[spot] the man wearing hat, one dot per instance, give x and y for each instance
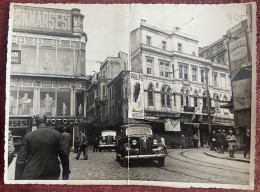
(39, 152)
(83, 146)
(232, 143)
(66, 138)
(220, 137)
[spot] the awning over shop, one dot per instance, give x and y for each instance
(172, 125)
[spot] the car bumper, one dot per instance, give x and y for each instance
(107, 146)
(151, 156)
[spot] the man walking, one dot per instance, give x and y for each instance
(39, 152)
(220, 141)
(232, 143)
(66, 138)
(247, 142)
(83, 146)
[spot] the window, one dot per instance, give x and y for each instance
(182, 100)
(164, 69)
(149, 66)
(168, 100)
(217, 105)
(103, 90)
(202, 76)
(195, 101)
(180, 71)
(163, 96)
(150, 95)
(215, 79)
(179, 47)
(174, 99)
(187, 100)
(163, 45)
(183, 72)
(194, 74)
(148, 40)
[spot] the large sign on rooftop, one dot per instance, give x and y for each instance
(38, 19)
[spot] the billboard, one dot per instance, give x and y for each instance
(242, 94)
(38, 19)
(136, 96)
(238, 47)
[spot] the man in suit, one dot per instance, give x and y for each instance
(39, 152)
(83, 146)
(66, 138)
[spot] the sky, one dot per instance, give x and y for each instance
(108, 26)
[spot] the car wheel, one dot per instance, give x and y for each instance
(161, 162)
(125, 162)
(117, 157)
(99, 150)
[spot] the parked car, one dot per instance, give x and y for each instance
(136, 141)
(107, 140)
(17, 142)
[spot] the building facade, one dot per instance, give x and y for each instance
(176, 81)
(48, 67)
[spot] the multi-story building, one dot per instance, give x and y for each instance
(47, 68)
(175, 81)
(100, 96)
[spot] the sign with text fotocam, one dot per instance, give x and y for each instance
(40, 19)
(136, 96)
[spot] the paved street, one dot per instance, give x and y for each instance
(182, 165)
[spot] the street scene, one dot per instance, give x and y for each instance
(122, 92)
(180, 166)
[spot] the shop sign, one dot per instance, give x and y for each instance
(238, 48)
(66, 121)
(136, 97)
(16, 57)
(41, 19)
(19, 122)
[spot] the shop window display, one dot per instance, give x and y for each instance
(25, 102)
(48, 102)
(63, 102)
(13, 102)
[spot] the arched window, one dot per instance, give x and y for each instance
(163, 96)
(195, 98)
(150, 95)
(168, 100)
(174, 99)
(225, 98)
(187, 98)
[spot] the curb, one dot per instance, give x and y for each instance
(240, 160)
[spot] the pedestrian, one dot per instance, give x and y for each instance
(195, 140)
(66, 139)
(225, 144)
(220, 137)
(183, 141)
(82, 146)
(247, 142)
(11, 148)
(76, 144)
(39, 154)
(232, 143)
(95, 149)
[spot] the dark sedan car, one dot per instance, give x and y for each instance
(17, 142)
(136, 141)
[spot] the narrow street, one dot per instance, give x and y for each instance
(181, 165)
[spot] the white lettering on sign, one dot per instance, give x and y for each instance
(19, 123)
(16, 57)
(42, 19)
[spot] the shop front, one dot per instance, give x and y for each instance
(20, 126)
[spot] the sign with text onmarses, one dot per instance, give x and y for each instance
(42, 19)
(238, 47)
(136, 96)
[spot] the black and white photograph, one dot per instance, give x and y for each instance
(139, 94)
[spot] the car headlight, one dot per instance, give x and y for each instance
(134, 142)
(155, 142)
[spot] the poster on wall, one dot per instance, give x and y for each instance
(136, 96)
(242, 94)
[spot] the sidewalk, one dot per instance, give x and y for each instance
(239, 156)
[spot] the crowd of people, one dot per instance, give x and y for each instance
(42, 151)
(222, 141)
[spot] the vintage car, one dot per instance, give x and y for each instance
(136, 141)
(107, 140)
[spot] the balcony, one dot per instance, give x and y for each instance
(101, 100)
(188, 109)
(205, 110)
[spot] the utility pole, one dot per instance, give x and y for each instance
(208, 108)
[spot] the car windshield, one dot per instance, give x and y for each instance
(108, 133)
(138, 131)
